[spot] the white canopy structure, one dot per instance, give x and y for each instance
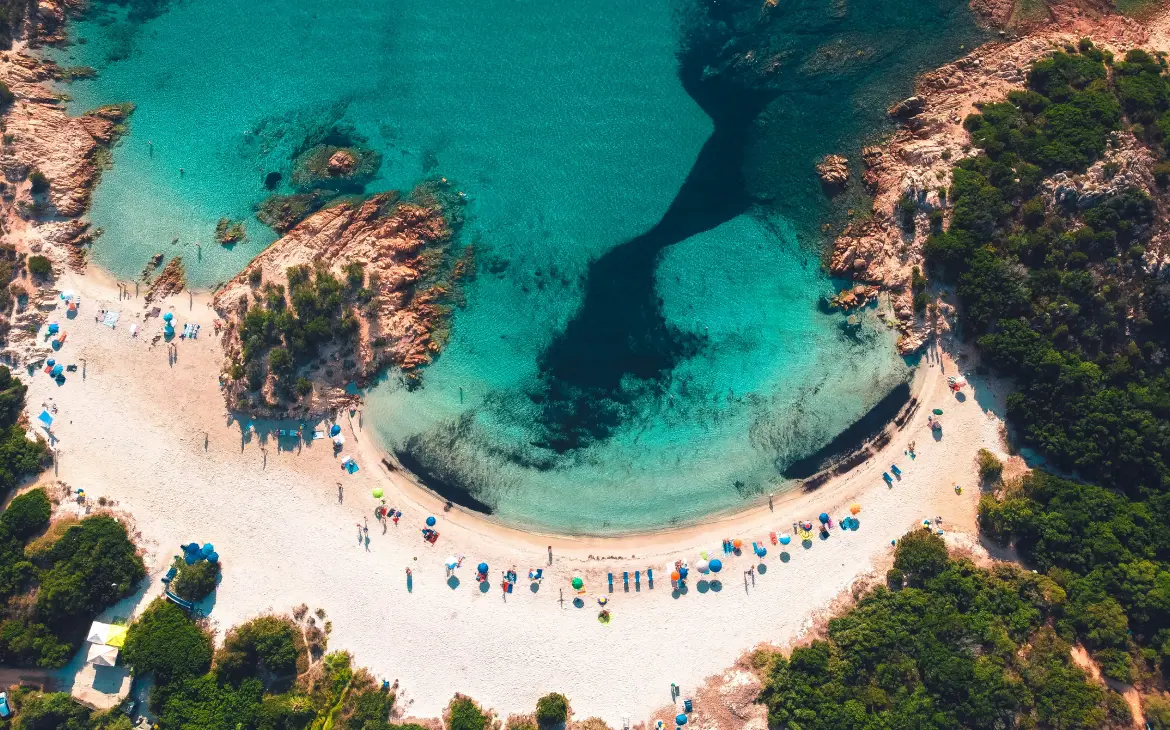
(101, 655)
(109, 634)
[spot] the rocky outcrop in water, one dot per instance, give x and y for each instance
(833, 171)
(334, 167)
(402, 252)
(908, 174)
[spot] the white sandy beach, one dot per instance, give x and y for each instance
(154, 436)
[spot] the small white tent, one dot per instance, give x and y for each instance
(98, 633)
(101, 655)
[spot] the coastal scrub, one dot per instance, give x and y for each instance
(1053, 248)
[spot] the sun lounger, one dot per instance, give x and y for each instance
(626, 580)
(170, 575)
(611, 582)
(886, 476)
(185, 605)
(650, 577)
(688, 706)
(894, 468)
(637, 580)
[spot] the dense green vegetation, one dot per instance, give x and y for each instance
(196, 581)
(1057, 292)
(959, 647)
(40, 267)
(1109, 553)
(552, 709)
(19, 457)
(281, 332)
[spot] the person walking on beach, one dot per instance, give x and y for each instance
(550, 554)
(339, 493)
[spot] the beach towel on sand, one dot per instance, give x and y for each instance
(110, 319)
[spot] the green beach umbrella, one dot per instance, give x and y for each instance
(378, 493)
(937, 411)
(577, 583)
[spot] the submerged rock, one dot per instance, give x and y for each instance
(228, 231)
(339, 168)
(282, 212)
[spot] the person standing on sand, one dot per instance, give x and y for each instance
(339, 493)
(550, 554)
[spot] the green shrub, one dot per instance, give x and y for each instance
(1162, 173)
(895, 579)
(990, 468)
(552, 709)
(164, 640)
(464, 714)
(6, 95)
(1157, 711)
(920, 555)
(267, 644)
(38, 183)
(92, 566)
(40, 267)
(196, 581)
(27, 514)
(55, 711)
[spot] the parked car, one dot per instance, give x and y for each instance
(5, 710)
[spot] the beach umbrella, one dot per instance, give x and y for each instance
(937, 411)
(334, 429)
(451, 561)
(762, 551)
(603, 600)
(716, 565)
(855, 508)
(168, 317)
(737, 544)
(785, 539)
(482, 568)
(213, 557)
(430, 522)
(378, 493)
(682, 572)
(681, 719)
(703, 566)
(807, 524)
(824, 518)
(578, 583)
(208, 548)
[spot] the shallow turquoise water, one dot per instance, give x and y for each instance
(569, 129)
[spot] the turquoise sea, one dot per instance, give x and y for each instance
(643, 343)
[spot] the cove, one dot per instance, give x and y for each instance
(642, 345)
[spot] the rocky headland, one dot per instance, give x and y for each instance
(356, 287)
(50, 163)
(910, 173)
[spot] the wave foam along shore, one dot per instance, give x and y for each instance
(151, 433)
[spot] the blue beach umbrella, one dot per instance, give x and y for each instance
(482, 568)
(208, 549)
(716, 565)
(213, 557)
(430, 522)
(682, 572)
(681, 719)
(824, 518)
(334, 430)
(168, 317)
(785, 539)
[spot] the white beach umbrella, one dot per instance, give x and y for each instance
(451, 562)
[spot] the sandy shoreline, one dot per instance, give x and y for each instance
(151, 433)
